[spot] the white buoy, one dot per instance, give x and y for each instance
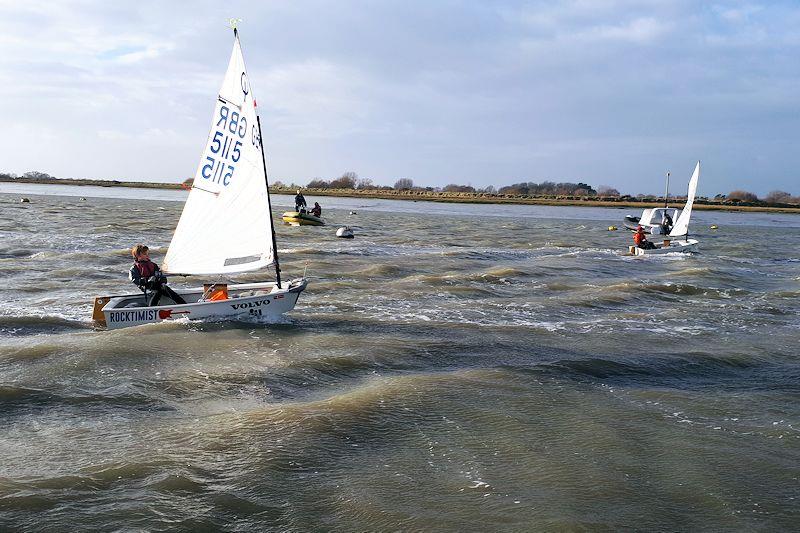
(344, 232)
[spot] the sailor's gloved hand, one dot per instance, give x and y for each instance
(153, 282)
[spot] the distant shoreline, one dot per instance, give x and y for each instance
(438, 196)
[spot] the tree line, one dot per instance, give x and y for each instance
(351, 180)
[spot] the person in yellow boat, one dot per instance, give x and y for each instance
(316, 210)
(300, 202)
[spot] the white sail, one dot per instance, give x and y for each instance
(226, 225)
(681, 226)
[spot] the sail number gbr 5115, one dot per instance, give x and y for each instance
(226, 146)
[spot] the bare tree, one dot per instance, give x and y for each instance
(36, 175)
(346, 181)
(404, 184)
(744, 196)
(549, 188)
(778, 197)
(318, 183)
(605, 190)
(458, 188)
(364, 183)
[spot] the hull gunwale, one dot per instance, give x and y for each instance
(679, 246)
(246, 301)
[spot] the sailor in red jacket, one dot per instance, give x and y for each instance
(147, 276)
(640, 239)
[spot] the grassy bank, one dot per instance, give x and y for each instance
(94, 183)
(449, 197)
(481, 198)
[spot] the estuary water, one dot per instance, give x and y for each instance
(452, 368)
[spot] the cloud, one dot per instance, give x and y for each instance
(738, 14)
(640, 30)
(329, 99)
(440, 92)
(133, 54)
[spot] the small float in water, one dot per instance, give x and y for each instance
(345, 232)
(677, 240)
(301, 218)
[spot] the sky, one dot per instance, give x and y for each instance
(608, 92)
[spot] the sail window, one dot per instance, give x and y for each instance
(232, 261)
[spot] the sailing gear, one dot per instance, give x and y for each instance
(299, 201)
(641, 241)
(666, 223)
(148, 277)
(161, 290)
(141, 271)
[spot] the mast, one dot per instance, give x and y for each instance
(269, 205)
(266, 182)
(666, 192)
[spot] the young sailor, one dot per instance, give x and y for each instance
(316, 210)
(148, 277)
(641, 241)
(666, 223)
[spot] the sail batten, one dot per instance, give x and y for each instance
(226, 225)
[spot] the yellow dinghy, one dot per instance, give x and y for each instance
(302, 219)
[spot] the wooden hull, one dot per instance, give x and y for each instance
(250, 301)
(302, 219)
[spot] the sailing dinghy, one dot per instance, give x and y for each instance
(225, 228)
(678, 238)
(651, 218)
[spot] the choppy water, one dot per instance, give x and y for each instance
(448, 369)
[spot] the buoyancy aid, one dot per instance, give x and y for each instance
(639, 238)
(145, 268)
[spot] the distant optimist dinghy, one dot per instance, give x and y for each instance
(226, 225)
(678, 238)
